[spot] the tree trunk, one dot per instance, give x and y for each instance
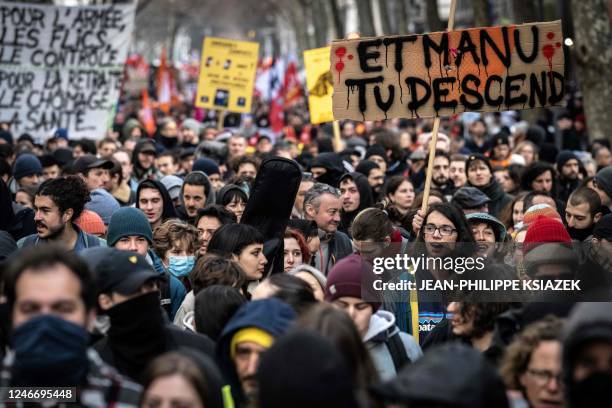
(401, 16)
(319, 21)
(433, 17)
(299, 25)
(383, 11)
(525, 11)
(366, 20)
(337, 20)
(481, 13)
(594, 60)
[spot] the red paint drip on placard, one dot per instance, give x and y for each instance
(549, 51)
(550, 35)
(340, 52)
(350, 56)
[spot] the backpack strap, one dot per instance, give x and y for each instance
(166, 294)
(397, 351)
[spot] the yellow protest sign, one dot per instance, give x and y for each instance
(227, 74)
(319, 83)
(440, 74)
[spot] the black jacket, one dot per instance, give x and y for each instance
(468, 380)
(14, 218)
(499, 198)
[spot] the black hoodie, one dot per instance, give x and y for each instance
(365, 200)
(14, 218)
(333, 164)
(168, 211)
(139, 173)
(468, 380)
(588, 321)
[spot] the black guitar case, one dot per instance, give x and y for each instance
(269, 206)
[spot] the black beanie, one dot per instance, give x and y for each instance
(477, 156)
(376, 150)
(563, 157)
(303, 369)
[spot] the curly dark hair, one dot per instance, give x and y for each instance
(483, 315)
(66, 192)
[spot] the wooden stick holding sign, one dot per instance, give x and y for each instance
(436, 126)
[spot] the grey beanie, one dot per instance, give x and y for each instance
(103, 204)
(603, 179)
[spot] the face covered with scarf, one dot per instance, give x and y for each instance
(49, 316)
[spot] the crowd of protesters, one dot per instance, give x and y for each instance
(129, 272)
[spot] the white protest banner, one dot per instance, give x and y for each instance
(61, 67)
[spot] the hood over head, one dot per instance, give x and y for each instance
(469, 381)
(270, 315)
(168, 210)
(587, 321)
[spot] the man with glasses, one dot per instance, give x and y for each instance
(322, 204)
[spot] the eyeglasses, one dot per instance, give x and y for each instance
(544, 376)
(445, 230)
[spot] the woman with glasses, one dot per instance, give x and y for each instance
(531, 367)
(444, 243)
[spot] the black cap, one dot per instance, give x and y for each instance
(89, 161)
(477, 156)
(470, 197)
(63, 156)
(48, 160)
(500, 139)
(124, 272)
(186, 152)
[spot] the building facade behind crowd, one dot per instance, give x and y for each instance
(131, 271)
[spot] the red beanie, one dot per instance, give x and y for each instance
(545, 230)
(345, 280)
(91, 223)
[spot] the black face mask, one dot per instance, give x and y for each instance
(137, 334)
(591, 391)
(580, 234)
(168, 142)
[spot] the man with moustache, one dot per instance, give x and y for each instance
(568, 167)
(197, 192)
(57, 205)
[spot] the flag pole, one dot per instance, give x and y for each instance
(436, 126)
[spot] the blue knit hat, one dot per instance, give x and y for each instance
(103, 204)
(126, 222)
(26, 165)
(206, 165)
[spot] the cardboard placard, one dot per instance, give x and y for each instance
(62, 67)
(319, 84)
(227, 75)
(444, 73)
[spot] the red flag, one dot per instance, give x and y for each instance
(277, 104)
(291, 85)
(146, 113)
(164, 84)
